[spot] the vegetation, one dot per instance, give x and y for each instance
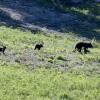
(19, 82)
(64, 3)
(57, 49)
(55, 72)
(43, 84)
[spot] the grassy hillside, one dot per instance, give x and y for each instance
(57, 51)
(58, 72)
(55, 72)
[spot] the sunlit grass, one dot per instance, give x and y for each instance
(61, 46)
(63, 74)
(20, 84)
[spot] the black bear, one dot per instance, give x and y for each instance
(83, 45)
(2, 49)
(38, 46)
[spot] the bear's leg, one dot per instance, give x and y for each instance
(86, 50)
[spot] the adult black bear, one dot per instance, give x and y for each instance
(38, 46)
(2, 49)
(83, 45)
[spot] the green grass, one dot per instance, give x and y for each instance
(45, 84)
(59, 47)
(81, 80)
(14, 38)
(54, 72)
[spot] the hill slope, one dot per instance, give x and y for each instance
(83, 20)
(55, 72)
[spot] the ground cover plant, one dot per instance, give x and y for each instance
(45, 84)
(54, 72)
(57, 50)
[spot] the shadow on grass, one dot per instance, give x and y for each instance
(88, 25)
(25, 14)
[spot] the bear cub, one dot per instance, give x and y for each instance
(2, 49)
(38, 46)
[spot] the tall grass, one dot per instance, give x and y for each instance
(43, 84)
